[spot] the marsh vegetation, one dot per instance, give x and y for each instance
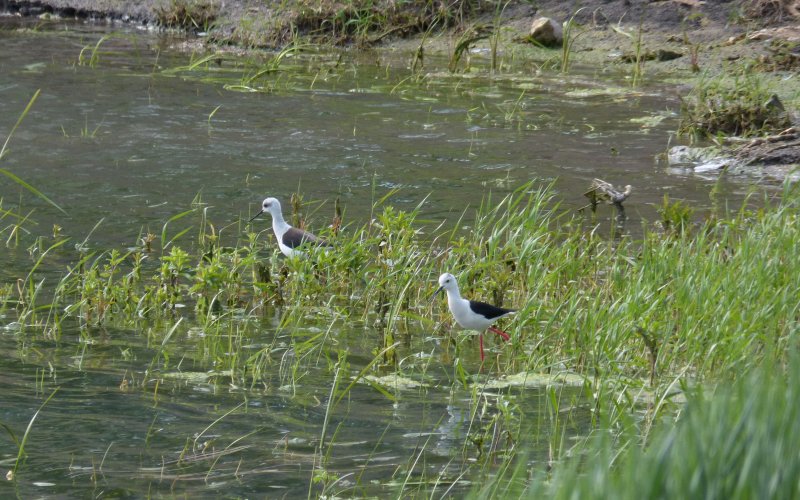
(225, 367)
(616, 333)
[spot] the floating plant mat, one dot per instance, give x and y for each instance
(393, 381)
(533, 380)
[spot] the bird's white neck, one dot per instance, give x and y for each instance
(453, 297)
(278, 224)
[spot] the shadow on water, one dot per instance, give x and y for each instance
(129, 142)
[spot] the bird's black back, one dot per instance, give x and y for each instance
(294, 238)
(487, 310)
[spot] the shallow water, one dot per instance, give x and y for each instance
(111, 429)
(152, 146)
(129, 143)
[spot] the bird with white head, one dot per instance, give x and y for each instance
(471, 314)
(291, 240)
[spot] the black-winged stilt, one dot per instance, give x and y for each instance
(290, 239)
(471, 314)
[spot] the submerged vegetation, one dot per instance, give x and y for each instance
(728, 100)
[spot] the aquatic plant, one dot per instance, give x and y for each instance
(4, 151)
(465, 41)
(638, 58)
(13, 474)
(13, 230)
(93, 52)
(85, 131)
(676, 216)
(569, 41)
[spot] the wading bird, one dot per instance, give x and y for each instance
(471, 314)
(291, 240)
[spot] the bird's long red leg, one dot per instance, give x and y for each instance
(500, 332)
(480, 340)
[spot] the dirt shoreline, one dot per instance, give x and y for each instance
(678, 37)
(716, 29)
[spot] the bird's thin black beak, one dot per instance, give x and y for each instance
(435, 294)
(256, 215)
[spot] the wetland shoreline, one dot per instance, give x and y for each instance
(701, 46)
(709, 34)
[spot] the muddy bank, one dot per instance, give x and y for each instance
(675, 34)
(666, 23)
(137, 11)
(666, 35)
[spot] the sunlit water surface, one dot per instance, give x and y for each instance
(124, 142)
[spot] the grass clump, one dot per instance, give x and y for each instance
(784, 56)
(770, 11)
(190, 15)
(742, 106)
(740, 443)
(676, 216)
(368, 21)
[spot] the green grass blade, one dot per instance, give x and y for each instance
(21, 451)
(10, 433)
(4, 150)
(32, 189)
(19, 120)
(164, 229)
